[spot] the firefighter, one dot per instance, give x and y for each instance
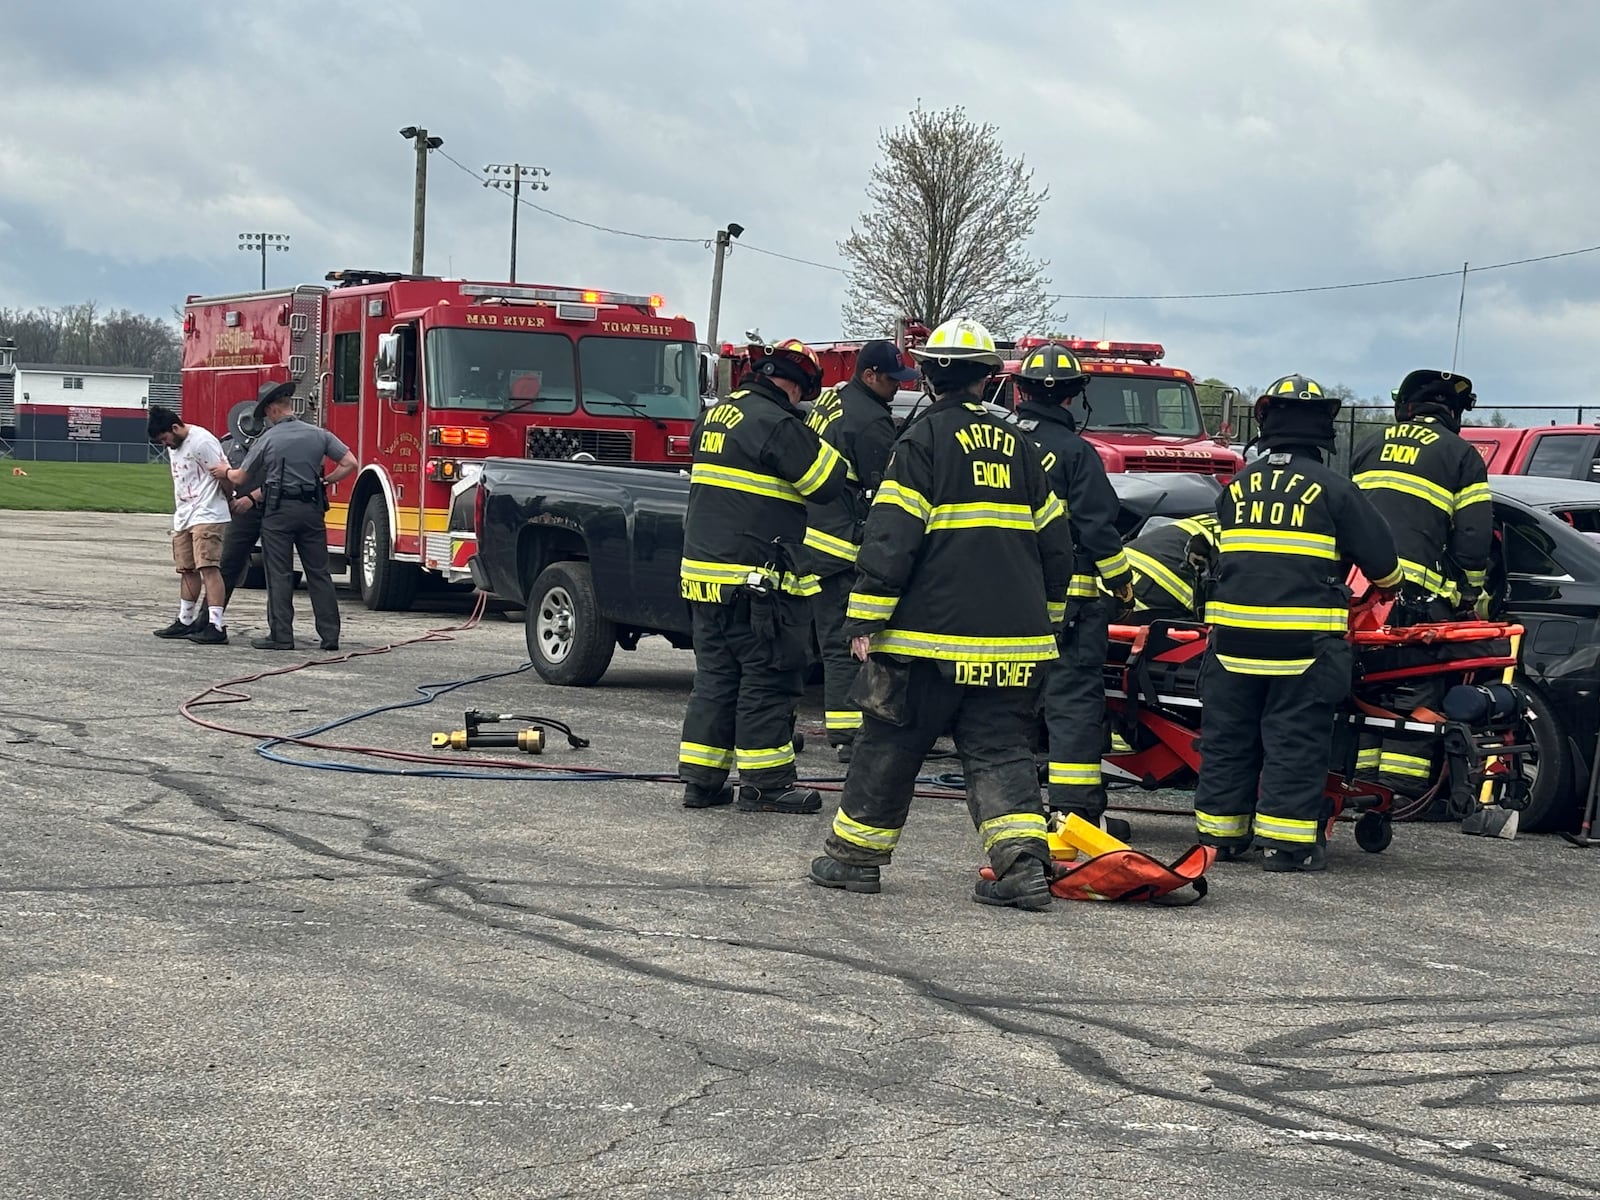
(756, 464)
(1432, 488)
(1167, 564)
(960, 584)
(1278, 663)
(1050, 381)
(855, 421)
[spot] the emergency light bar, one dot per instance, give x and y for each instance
(1084, 348)
(558, 295)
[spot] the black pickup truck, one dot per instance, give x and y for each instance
(591, 552)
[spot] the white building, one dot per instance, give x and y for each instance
(90, 387)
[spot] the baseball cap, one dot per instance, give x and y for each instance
(884, 357)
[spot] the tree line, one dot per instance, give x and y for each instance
(83, 335)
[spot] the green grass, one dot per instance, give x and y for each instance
(86, 487)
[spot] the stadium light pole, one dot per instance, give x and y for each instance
(261, 243)
(513, 177)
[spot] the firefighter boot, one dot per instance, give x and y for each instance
(698, 796)
(1026, 885)
(829, 872)
(1235, 850)
(1279, 857)
(791, 799)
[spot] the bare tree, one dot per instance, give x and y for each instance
(130, 339)
(39, 333)
(945, 231)
(77, 334)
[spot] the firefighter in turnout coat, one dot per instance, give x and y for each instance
(756, 464)
(1278, 662)
(960, 585)
(1051, 380)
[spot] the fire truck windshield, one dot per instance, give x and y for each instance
(500, 369)
(1137, 404)
(642, 376)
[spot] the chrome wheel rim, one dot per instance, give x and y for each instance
(369, 555)
(554, 627)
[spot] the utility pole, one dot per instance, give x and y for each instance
(424, 143)
(508, 177)
(260, 243)
(724, 241)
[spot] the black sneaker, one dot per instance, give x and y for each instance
(330, 643)
(1117, 828)
(209, 635)
(791, 799)
(697, 796)
(179, 629)
(1026, 885)
(267, 643)
(831, 873)
(1283, 859)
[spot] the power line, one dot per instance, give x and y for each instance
(791, 258)
(1326, 287)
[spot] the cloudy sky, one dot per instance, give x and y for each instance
(1236, 145)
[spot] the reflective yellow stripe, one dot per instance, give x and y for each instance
(1075, 774)
(1110, 568)
(1368, 759)
(1052, 509)
(869, 837)
(1240, 665)
(1205, 526)
(694, 570)
(1162, 576)
(1476, 578)
(981, 516)
(1427, 577)
(1011, 826)
(1407, 485)
(821, 467)
(1263, 616)
(698, 755)
(828, 544)
(960, 648)
(1414, 766)
(1219, 826)
(1058, 610)
(842, 719)
(1083, 587)
(863, 606)
(902, 497)
(764, 760)
(734, 479)
(1279, 541)
(1473, 493)
(1286, 829)
(1389, 580)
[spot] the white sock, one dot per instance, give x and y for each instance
(217, 618)
(187, 611)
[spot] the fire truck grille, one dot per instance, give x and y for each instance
(1143, 463)
(604, 445)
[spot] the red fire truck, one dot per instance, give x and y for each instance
(1142, 416)
(425, 377)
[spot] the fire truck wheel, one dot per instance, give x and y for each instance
(385, 585)
(569, 641)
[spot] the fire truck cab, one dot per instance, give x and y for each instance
(424, 378)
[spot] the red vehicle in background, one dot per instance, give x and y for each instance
(424, 378)
(1142, 416)
(1557, 451)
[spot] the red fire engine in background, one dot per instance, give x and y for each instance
(424, 377)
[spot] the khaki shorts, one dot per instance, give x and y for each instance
(198, 546)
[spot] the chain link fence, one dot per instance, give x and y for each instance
(40, 450)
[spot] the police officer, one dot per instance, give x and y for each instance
(1278, 662)
(1051, 380)
(1432, 488)
(960, 585)
(286, 464)
(1166, 570)
(756, 465)
(244, 531)
(855, 421)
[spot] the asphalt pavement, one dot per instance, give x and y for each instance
(225, 976)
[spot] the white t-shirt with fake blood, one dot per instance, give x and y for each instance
(197, 498)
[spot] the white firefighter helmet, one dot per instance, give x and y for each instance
(960, 340)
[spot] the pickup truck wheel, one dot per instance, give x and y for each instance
(1552, 794)
(384, 585)
(570, 643)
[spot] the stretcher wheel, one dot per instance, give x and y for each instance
(1374, 832)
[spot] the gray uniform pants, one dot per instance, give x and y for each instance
(298, 525)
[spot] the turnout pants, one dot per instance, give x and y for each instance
(1075, 712)
(1408, 766)
(297, 526)
(838, 667)
(244, 531)
(991, 728)
(1265, 743)
(749, 674)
